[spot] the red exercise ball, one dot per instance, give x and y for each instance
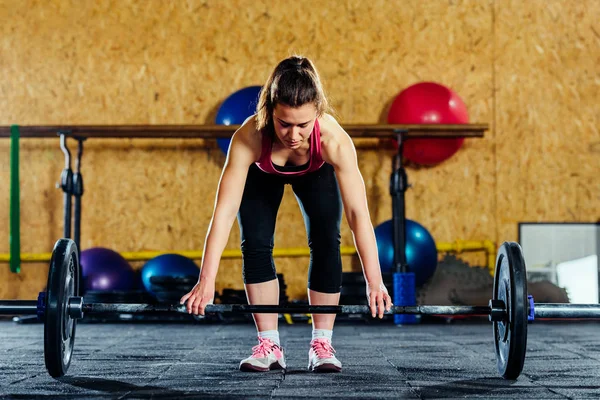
(429, 103)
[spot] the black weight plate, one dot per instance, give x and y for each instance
(59, 327)
(510, 286)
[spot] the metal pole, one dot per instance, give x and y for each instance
(243, 308)
(21, 307)
(542, 310)
(566, 310)
(18, 307)
(66, 184)
(398, 187)
(78, 192)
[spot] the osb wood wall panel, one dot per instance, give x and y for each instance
(547, 72)
(151, 62)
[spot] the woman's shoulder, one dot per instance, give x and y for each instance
(327, 124)
(334, 139)
(248, 132)
(331, 130)
(249, 135)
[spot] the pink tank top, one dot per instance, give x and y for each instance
(266, 164)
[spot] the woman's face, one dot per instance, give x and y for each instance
(294, 125)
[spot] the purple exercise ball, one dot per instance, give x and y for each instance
(106, 270)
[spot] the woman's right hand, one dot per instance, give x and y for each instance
(202, 293)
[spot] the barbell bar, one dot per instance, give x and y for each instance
(77, 308)
(509, 310)
(542, 310)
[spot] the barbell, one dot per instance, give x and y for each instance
(509, 310)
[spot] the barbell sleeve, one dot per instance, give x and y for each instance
(18, 307)
(566, 310)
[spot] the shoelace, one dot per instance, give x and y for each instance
(263, 348)
(322, 348)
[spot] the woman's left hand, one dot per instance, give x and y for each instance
(379, 299)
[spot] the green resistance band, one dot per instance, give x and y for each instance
(14, 237)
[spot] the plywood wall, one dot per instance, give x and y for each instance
(547, 69)
(530, 70)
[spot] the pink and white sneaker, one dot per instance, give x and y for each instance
(321, 357)
(265, 356)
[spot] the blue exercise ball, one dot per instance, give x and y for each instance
(236, 109)
(168, 265)
(105, 270)
(421, 253)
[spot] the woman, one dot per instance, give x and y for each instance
(291, 140)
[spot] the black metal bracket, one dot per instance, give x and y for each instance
(398, 187)
(71, 183)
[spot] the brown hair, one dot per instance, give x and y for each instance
(294, 82)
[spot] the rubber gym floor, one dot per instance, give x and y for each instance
(182, 361)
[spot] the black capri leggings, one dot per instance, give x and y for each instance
(319, 197)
